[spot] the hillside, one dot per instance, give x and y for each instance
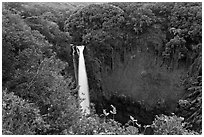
(143, 62)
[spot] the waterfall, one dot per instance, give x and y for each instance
(83, 83)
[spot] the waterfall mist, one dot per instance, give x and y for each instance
(145, 81)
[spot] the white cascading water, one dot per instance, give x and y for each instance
(83, 83)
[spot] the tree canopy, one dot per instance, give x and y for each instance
(38, 86)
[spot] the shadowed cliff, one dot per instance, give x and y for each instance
(144, 79)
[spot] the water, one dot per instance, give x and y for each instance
(83, 83)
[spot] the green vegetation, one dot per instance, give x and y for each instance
(39, 92)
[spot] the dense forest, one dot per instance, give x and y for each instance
(143, 61)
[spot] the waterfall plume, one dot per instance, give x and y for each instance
(83, 83)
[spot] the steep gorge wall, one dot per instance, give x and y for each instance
(128, 54)
(143, 76)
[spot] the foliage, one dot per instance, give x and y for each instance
(36, 38)
(59, 106)
(116, 27)
(19, 116)
(106, 25)
(52, 94)
(184, 37)
(22, 47)
(190, 107)
(94, 125)
(170, 125)
(35, 73)
(48, 20)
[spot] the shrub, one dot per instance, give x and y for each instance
(18, 116)
(170, 125)
(59, 106)
(94, 125)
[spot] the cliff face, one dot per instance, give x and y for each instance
(142, 51)
(142, 75)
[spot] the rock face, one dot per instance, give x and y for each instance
(143, 76)
(143, 79)
(137, 81)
